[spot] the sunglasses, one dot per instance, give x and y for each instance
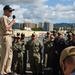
(59, 34)
(10, 10)
(33, 36)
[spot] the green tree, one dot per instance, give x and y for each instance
(37, 29)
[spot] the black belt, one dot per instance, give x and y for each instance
(4, 34)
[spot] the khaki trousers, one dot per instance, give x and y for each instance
(6, 53)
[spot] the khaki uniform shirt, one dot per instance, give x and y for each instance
(4, 23)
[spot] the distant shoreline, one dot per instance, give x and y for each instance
(28, 33)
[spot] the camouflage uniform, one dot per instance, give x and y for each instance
(14, 39)
(51, 53)
(13, 43)
(34, 47)
(24, 41)
(54, 33)
(18, 57)
(69, 39)
(47, 45)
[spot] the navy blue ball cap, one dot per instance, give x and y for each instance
(7, 7)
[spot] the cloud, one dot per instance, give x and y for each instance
(40, 12)
(59, 12)
(22, 1)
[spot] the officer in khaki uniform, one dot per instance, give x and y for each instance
(34, 47)
(6, 40)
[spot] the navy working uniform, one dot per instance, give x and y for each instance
(34, 47)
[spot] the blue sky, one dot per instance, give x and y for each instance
(63, 2)
(55, 11)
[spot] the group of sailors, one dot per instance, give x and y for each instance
(53, 46)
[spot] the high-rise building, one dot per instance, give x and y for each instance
(21, 25)
(36, 25)
(27, 24)
(31, 25)
(40, 25)
(48, 26)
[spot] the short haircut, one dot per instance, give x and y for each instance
(70, 59)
